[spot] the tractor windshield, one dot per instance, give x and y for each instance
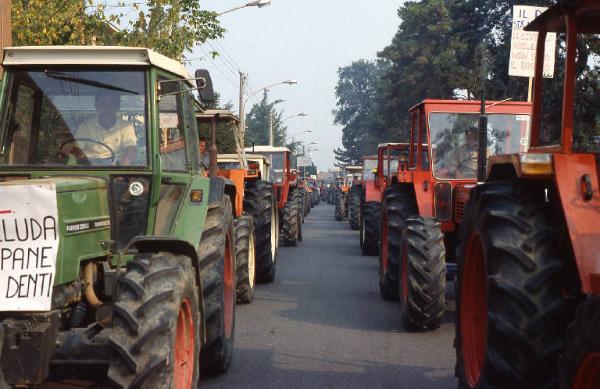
(454, 141)
(74, 118)
(368, 166)
(276, 165)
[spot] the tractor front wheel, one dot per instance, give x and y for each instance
(510, 313)
(580, 365)
(422, 274)
(156, 334)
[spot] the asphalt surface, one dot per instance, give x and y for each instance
(322, 323)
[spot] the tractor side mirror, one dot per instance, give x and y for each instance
(205, 86)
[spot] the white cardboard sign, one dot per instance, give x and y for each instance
(29, 239)
(523, 44)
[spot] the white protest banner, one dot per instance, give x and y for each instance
(523, 44)
(28, 246)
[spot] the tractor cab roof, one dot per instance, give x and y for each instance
(92, 55)
(390, 144)
(586, 12)
(221, 115)
(369, 157)
(468, 105)
(353, 168)
(267, 149)
(257, 157)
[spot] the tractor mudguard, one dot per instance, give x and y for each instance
(220, 186)
(155, 244)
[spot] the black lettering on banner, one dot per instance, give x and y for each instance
(49, 225)
(22, 239)
(35, 235)
(43, 257)
(6, 238)
(5, 254)
(18, 256)
(11, 281)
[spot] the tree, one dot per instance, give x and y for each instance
(356, 93)
(422, 62)
(170, 27)
(257, 122)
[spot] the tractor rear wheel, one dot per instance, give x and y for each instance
(259, 202)
(369, 228)
(396, 206)
(216, 257)
(291, 220)
(580, 364)
(422, 274)
(511, 317)
(156, 334)
(354, 208)
(245, 259)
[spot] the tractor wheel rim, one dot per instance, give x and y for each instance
(274, 233)
(404, 273)
(228, 287)
(473, 310)
(384, 245)
(184, 347)
(588, 373)
(251, 261)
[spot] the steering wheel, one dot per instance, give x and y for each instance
(110, 159)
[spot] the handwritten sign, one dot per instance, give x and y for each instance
(523, 44)
(28, 246)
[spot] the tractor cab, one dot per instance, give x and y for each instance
(443, 150)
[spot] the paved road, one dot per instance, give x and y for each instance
(322, 324)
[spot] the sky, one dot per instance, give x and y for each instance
(305, 40)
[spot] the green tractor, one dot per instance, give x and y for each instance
(117, 260)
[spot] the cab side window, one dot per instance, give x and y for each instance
(171, 126)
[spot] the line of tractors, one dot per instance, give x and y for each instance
(479, 195)
(126, 244)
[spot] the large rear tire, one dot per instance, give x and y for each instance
(511, 317)
(291, 220)
(580, 364)
(422, 274)
(341, 212)
(354, 208)
(369, 228)
(259, 202)
(245, 259)
(396, 206)
(156, 334)
(217, 272)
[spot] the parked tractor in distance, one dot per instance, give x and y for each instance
(425, 198)
(528, 290)
(118, 251)
(287, 195)
(351, 174)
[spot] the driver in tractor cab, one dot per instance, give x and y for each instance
(459, 162)
(105, 135)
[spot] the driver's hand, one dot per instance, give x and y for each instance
(74, 150)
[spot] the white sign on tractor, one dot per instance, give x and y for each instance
(523, 44)
(28, 246)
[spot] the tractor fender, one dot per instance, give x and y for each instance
(220, 187)
(155, 244)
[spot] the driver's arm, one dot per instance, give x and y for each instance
(128, 146)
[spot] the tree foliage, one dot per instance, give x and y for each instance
(356, 94)
(448, 49)
(257, 123)
(170, 27)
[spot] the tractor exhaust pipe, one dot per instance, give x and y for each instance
(482, 145)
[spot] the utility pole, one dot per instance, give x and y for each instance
(242, 114)
(271, 130)
(5, 30)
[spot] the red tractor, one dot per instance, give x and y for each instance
(370, 206)
(287, 193)
(528, 290)
(374, 179)
(423, 199)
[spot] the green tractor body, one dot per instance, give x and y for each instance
(80, 208)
